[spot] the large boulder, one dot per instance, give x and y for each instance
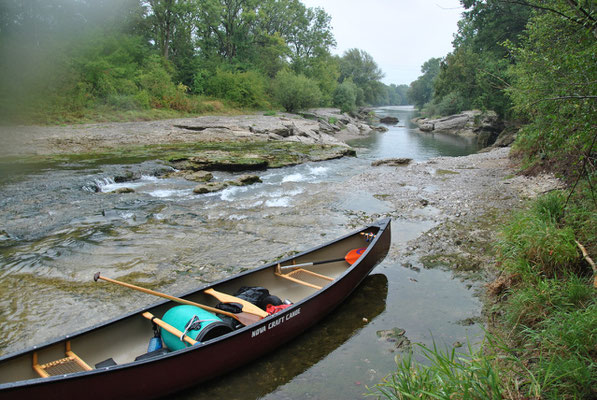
(389, 120)
(484, 126)
(506, 137)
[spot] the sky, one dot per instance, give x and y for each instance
(399, 34)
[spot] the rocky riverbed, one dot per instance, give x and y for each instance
(465, 198)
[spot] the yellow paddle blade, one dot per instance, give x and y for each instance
(247, 307)
(354, 255)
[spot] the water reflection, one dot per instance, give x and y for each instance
(291, 360)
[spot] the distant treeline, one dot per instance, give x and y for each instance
(531, 61)
(63, 58)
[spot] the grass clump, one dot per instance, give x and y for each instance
(448, 374)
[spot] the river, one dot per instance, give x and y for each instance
(60, 225)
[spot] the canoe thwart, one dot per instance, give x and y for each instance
(304, 277)
(67, 365)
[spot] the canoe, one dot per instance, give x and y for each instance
(112, 359)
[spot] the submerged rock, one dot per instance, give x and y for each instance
(248, 162)
(245, 180)
(199, 176)
(395, 335)
(389, 120)
(210, 187)
(126, 177)
(124, 190)
(392, 162)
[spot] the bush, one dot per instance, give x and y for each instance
(295, 92)
(452, 103)
(156, 81)
(345, 96)
(247, 89)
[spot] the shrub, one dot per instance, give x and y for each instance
(156, 81)
(345, 96)
(247, 89)
(295, 92)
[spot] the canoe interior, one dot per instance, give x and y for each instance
(126, 338)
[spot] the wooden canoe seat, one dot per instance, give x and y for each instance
(305, 277)
(67, 365)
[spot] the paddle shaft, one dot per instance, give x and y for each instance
(351, 257)
(313, 263)
(168, 328)
(243, 318)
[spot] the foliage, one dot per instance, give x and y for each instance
(452, 103)
(448, 375)
(551, 305)
(247, 89)
(474, 75)
(295, 92)
(554, 89)
(534, 243)
(67, 59)
(397, 95)
(421, 90)
(362, 69)
(345, 96)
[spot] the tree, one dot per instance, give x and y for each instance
(421, 90)
(345, 96)
(474, 75)
(361, 68)
(554, 86)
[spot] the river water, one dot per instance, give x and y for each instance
(60, 225)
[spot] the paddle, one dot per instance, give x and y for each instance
(246, 306)
(169, 328)
(242, 317)
(351, 257)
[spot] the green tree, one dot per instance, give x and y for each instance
(554, 85)
(421, 90)
(345, 96)
(361, 68)
(474, 75)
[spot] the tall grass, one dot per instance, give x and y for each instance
(447, 374)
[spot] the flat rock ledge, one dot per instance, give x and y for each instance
(327, 126)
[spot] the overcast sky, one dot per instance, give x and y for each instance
(400, 34)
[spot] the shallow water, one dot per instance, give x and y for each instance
(61, 225)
